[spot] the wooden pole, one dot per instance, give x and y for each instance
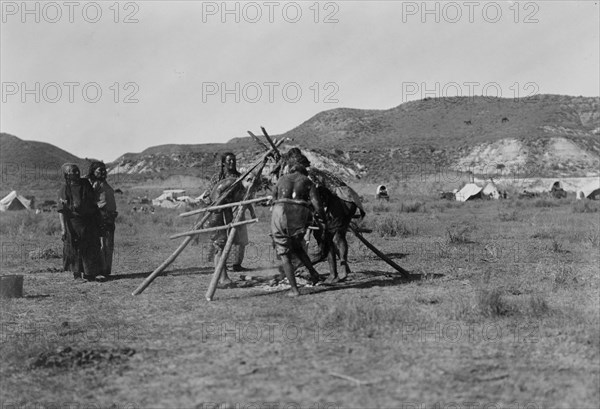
(258, 141)
(225, 206)
(403, 272)
(273, 146)
(187, 240)
(217, 228)
(212, 287)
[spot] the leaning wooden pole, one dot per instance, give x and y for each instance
(211, 229)
(212, 287)
(187, 240)
(268, 138)
(225, 206)
(403, 272)
(258, 141)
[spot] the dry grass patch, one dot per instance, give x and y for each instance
(586, 206)
(460, 233)
(27, 222)
(367, 319)
(394, 226)
(413, 207)
(513, 216)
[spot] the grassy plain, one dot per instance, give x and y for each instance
(506, 315)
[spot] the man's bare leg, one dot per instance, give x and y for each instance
(342, 248)
(315, 277)
(333, 274)
(324, 246)
(288, 269)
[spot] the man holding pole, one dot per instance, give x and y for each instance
(228, 169)
(221, 217)
(294, 194)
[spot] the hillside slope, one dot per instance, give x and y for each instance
(16, 150)
(549, 135)
(543, 136)
(32, 163)
(555, 135)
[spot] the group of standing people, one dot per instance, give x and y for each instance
(87, 212)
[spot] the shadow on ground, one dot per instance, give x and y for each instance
(358, 280)
(171, 273)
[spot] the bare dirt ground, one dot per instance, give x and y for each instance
(506, 314)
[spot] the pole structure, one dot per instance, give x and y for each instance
(187, 240)
(212, 287)
(210, 229)
(225, 206)
(403, 272)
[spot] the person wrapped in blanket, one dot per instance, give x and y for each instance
(294, 199)
(80, 222)
(105, 199)
(221, 217)
(228, 169)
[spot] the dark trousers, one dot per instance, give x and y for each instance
(107, 245)
(81, 250)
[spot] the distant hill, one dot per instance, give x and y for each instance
(194, 160)
(546, 135)
(552, 134)
(19, 151)
(32, 163)
(549, 135)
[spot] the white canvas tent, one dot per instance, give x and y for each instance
(169, 195)
(590, 190)
(490, 190)
(14, 201)
(187, 200)
(168, 204)
(468, 192)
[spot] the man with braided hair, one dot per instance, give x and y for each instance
(221, 217)
(228, 169)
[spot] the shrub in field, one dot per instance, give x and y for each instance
(586, 206)
(461, 308)
(593, 237)
(128, 223)
(546, 203)
(537, 306)
(165, 218)
(564, 275)
(493, 303)
(513, 216)
(365, 318)
(27, 222)
(543, 234)
(380, 208)
(392, 226)
(413, 207)
(51, 226)
(441, 206)
(557, 247)
(459, 233)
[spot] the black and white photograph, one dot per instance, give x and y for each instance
(302, 204)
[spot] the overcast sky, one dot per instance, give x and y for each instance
(115, 79)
